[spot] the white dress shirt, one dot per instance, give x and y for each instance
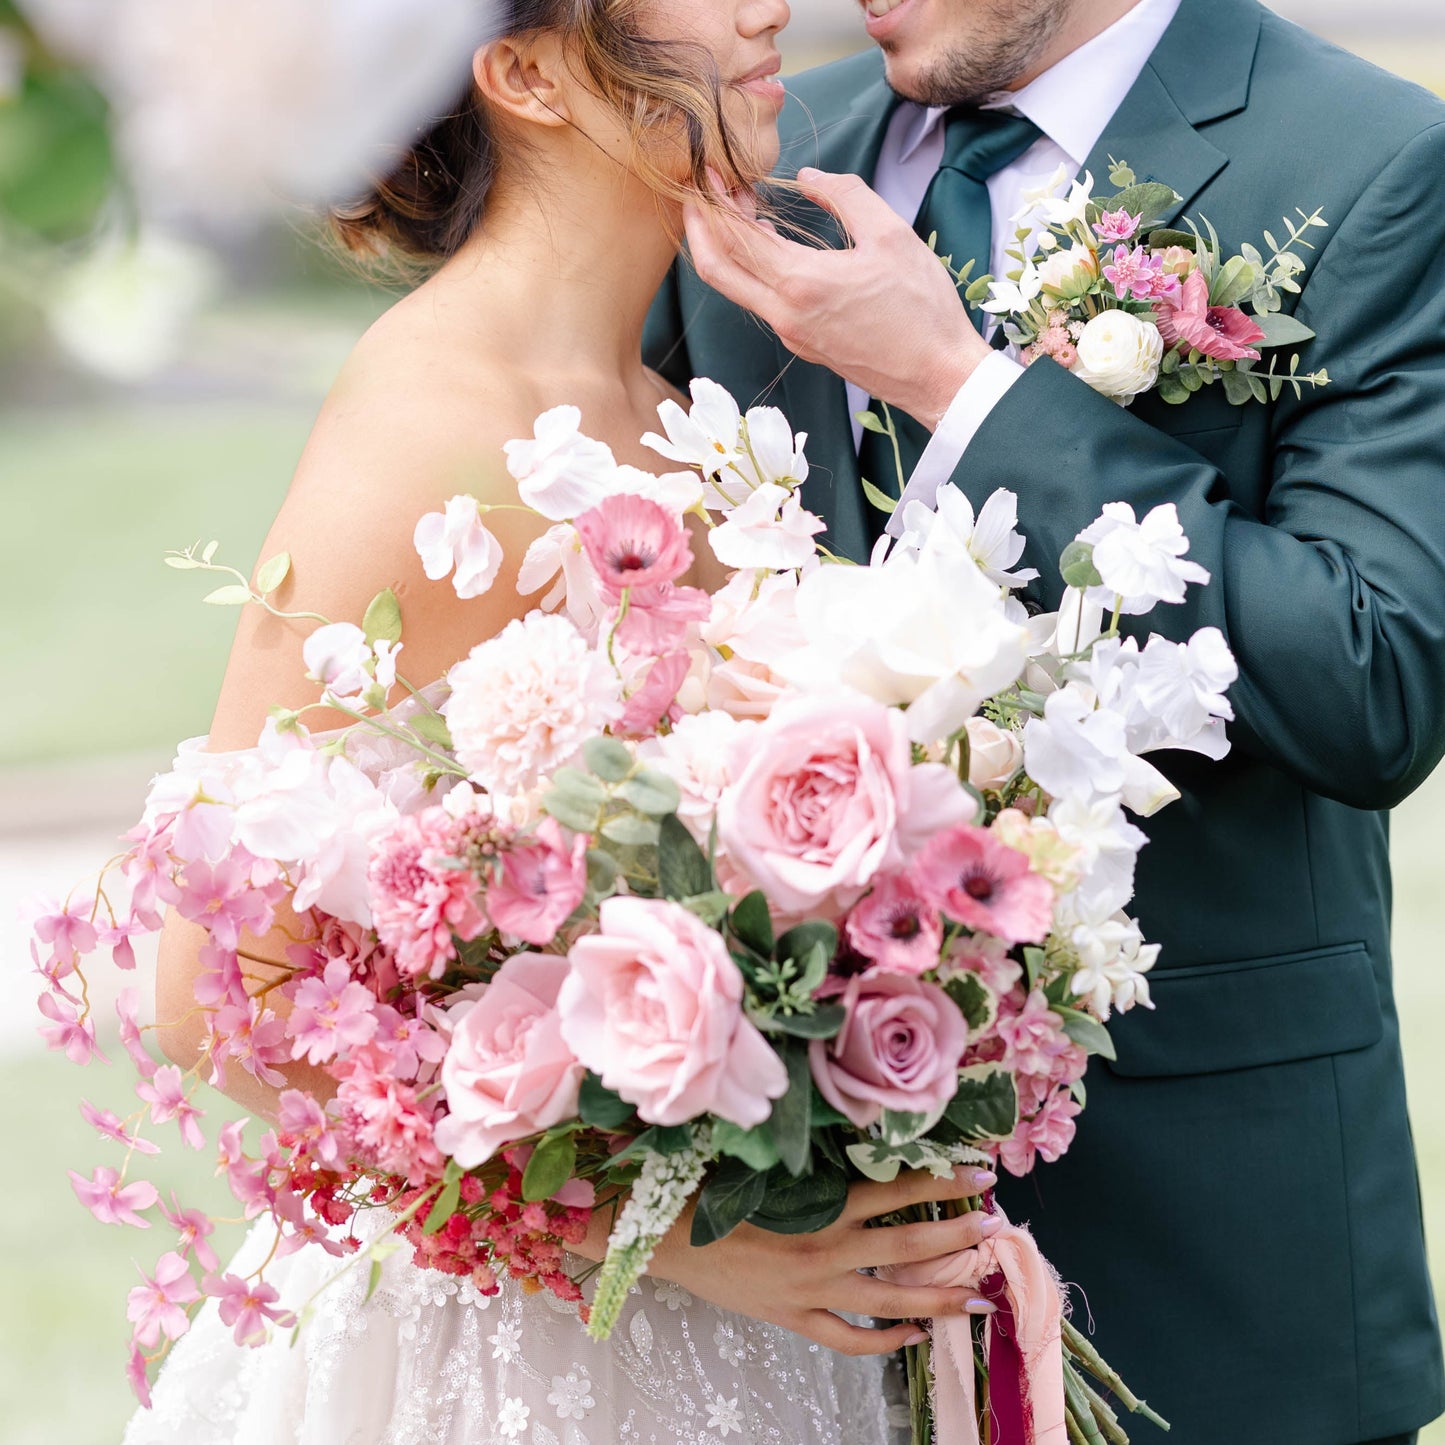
(1071, 103)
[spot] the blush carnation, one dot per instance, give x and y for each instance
(508, 1073)
(654, 1005)
(980, 882)
(419, 897)
(900, 1046)
(523, 702)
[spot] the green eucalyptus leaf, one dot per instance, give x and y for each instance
(580, 817)
(1076, 566)
(652, 793)
(1150, 200)
(580, 786)
(870, 421)
(1233, 282)
(382, 621)
(630, 830)
(271, 574)
(549, 1168)
(879, 498)
(712, 907)
(1172, 390)
(978, 290)
(733, 1192)
(602, 871)
(1238, 389)
(682, 867)
(1282, 330)
(609, 758)
(1086, 1031)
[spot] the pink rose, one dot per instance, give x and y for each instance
(653, 1005)
(829, 798)
(507, 1072)
(541, 882)
(899, 1048)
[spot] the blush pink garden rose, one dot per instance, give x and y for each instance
(829, 798)
(899, 1049)
(654, 1006)
(508, 1073)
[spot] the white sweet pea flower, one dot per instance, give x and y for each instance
(386, 655)
(1182, 685)
(339, 657)
(1141, 562)
(458, 539)
(990, 539)
(927, 632)
(558, 553)
(679, 492)
(768, 531)
(1007, 298)
(1108, 847)
(770, 450)
(561, 473)
(707, 437)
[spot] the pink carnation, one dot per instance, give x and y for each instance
(1034, 1036)
(899, 1048)
(541, 882)
(1048, 1135)
(985, 884)
(896, 926)
(420, 898)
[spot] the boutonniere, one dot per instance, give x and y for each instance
(1129, 307)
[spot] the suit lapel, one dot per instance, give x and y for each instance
(1199, 72)
(814, 398)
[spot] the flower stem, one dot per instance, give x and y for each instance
(1083, 1351)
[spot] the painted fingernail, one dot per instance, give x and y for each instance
(979, 1307)
(983, 1178)
(990, 1224)
(916, 1339)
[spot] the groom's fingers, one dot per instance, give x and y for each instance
(724, 260)
(863, 213)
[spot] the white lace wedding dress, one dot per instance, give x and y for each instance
(429, 1361)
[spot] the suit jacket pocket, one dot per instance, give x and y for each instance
(1212, 1018)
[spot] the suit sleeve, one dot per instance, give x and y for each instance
(664, 339)
(1333, 600)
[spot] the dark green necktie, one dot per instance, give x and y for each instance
(977, 143)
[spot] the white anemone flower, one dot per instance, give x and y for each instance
(561, 473)
(458, 539)
(1141, 561)
(707, 437)
(233, 111)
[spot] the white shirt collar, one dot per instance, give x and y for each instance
(1074, 100)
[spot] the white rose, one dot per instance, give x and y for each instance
(1068, 273)
(1119, 355)
(994, 755)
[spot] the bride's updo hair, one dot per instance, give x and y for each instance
(431, 201)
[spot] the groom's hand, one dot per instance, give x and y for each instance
(884, 314)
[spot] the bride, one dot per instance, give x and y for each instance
(545, 210)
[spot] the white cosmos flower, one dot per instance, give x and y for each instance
(769, 531)
(1141, 562)
(457, 538)
(560, 472)
(707, 437)
(232, 110)
(928, 632)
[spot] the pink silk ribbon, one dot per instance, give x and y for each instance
(1030, 1311)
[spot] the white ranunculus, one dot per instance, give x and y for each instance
(232, 110)
(457, 538)
(123, 309)
(1119, 355)
(339, 657)
(1140, 561)
(560, 472)
(707, 437)
(927, 632)
(768, 531)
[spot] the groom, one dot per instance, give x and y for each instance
(1239, 1213)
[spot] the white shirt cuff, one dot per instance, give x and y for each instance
(967, 412)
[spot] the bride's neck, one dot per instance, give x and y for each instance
(563, 269)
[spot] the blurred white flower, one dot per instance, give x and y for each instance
(124, 308)
(929, 632)
(707, 437)
(768, 530)
(702, 755)
(560, 472)
(457, 538)
(12, 64)
(558, 553)
(1108, 846)
(1036, 196)
(226, 111)
(1141, 562)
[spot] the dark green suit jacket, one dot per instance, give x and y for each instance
(1240, 1212)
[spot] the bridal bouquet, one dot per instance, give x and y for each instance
(665, 897)
(1130, 308)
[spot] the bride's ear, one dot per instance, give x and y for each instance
(526, 78)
